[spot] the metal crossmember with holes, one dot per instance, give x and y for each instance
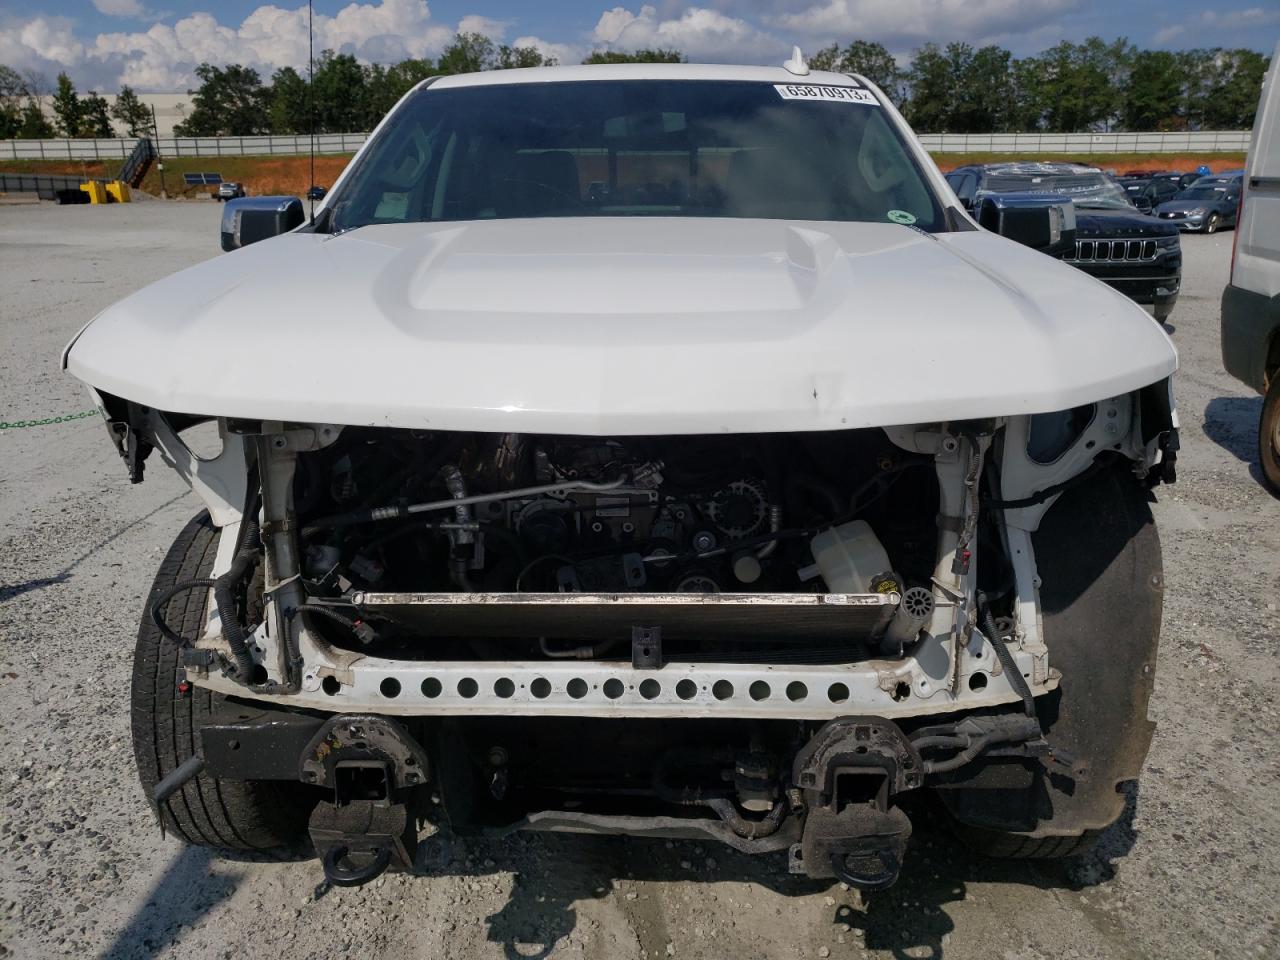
(925, 682)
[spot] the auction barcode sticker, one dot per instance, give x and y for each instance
(816, 91)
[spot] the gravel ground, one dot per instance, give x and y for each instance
(1190, 872)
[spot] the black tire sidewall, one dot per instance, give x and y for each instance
(1268, 455)
(227, 814)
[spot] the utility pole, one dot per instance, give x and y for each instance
(155, 129)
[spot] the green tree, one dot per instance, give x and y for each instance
(929, 78)
(34, 124)
(511, 57)
(339, 93)
(1026, 97)
(987, 91)
(1233, 86)
(1153, 96)
(1075, 85)
(635, 56)
(132, 113)
(383, 86)
(867, 58)
(95, 119)
(231, 101)
(12, 89)
(289, 105)
(67, 107)
(467, 53)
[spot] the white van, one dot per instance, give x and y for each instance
(1251, 302)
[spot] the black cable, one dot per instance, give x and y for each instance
(1016, 679)
(329, 614)
(1040, 496)
(157, 608)
(223, 592)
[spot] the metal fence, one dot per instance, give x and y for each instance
(119, 148)
(1200, 141)
(1203, 141)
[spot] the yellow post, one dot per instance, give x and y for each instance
(96, 191)
(118, 190)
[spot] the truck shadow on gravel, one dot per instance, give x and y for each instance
(554, 873)
(196, 881)
(1232, 423)
(184, 891)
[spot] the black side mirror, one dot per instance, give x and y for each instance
(1043, 221)
(251, 219)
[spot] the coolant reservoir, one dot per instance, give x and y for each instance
(849, 557)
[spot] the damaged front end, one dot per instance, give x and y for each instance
(761, 639)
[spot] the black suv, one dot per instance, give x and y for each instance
(1138, 255)
(1148, 192)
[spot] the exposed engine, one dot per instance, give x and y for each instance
(511, 513)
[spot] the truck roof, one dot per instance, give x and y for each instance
(642, 71)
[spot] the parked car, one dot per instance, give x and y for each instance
(1138, 255)
(734, 501)
(316, 193)
(1251, 300)
(1206, 206)
(229, 190)
(1147, 192)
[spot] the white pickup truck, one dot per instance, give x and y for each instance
(656, 450)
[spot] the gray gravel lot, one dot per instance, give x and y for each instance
(1191, 872)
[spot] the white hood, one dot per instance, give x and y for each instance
(624, 326)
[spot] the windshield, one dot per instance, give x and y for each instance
(638, 148)
(1204, 193)
(1091, 190)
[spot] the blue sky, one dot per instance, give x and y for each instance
(153, 45)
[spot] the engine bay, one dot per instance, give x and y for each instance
(392, 511)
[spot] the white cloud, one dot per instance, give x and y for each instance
(1168, 34)
(120, 8)
(495, 30)
(164, 56)
(1237, 19)
(920, 20)
(699, 33)
(564, 53)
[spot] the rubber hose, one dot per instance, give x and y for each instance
(718, 803)
(1016, 679)
(749, 829)
(157, 608)
(223, 593)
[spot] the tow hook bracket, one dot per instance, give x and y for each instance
(849, 773)
(358, 841)
(859, 845)
(371, 765)
(350, 740)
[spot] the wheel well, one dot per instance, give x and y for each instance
(1272, 365)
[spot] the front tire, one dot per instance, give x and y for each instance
(253, 815)
(1269, 436)
(1098, 557)
(1211, 225)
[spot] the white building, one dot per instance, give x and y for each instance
(171, 109)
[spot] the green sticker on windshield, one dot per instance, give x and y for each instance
(902, 217)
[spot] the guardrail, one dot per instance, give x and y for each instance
(119, 148)
(1200, 141)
